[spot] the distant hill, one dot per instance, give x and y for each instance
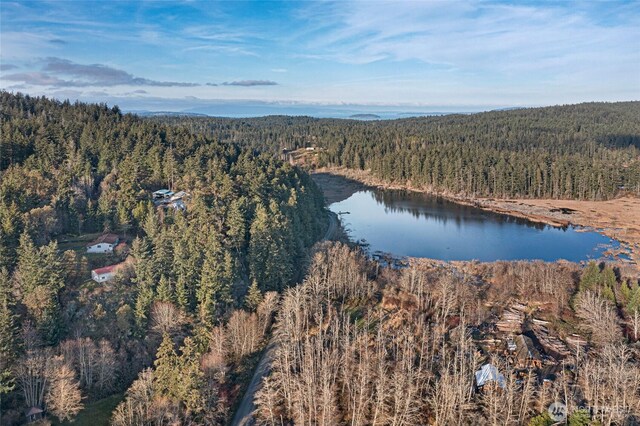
(167, 114)
(585, 151)
(365, 116)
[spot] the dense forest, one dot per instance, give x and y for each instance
(201, 286)
(189, 280)
(360, 345)
(586, 151)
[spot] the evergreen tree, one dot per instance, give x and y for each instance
(590, 277)
(215, 285)
(166, 374)
(145, 280)
(253, 297)
(165, 289)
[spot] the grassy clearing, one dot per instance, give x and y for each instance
(76, 242)
(96, 413)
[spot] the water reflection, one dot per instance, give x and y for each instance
(407, 223)
(431, 207)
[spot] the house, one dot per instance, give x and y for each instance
(165, 198)
(489, 374)
(103, 244)
(33, 414)
(162, 194)
(106, 273)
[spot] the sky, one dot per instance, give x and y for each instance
(211, 56)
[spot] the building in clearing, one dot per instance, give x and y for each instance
(103, 244)
(165, 198)
(106, 273)
(162, 194)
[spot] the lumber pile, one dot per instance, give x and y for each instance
(552, 345)
(511, 320)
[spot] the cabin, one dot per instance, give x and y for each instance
(489, 375)
(33, 414)
(104, 274)
(103, 244)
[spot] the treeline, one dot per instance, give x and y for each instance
(360, 347)
(586, 151)
(67, 170)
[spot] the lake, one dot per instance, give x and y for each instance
(404, 223)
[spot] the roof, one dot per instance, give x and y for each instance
(178, 195)
(33, 410)
(489, 373)
(526, 348)
(104, 238)
(105, 270)
(164, 192)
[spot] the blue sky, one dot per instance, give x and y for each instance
(441, 55)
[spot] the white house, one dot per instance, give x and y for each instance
(103, 244)
(107, 273)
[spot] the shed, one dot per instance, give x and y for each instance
(33, 414)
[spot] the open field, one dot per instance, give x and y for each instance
(96, 413)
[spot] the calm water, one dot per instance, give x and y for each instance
(418, 225)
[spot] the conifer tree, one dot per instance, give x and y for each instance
(254, 297)
(165, 289)
(145, 280)
(166, 368)
(215, 288)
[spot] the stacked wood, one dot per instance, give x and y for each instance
(511, 321)
(577, 342)
(552, 345)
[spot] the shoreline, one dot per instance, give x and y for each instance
(603, 217)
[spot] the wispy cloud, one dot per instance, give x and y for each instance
(56, 71)
(468, 36)
(35, 79)
(250, 83)
(7, 67)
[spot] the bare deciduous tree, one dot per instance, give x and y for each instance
(64, 398)
(599, 317)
